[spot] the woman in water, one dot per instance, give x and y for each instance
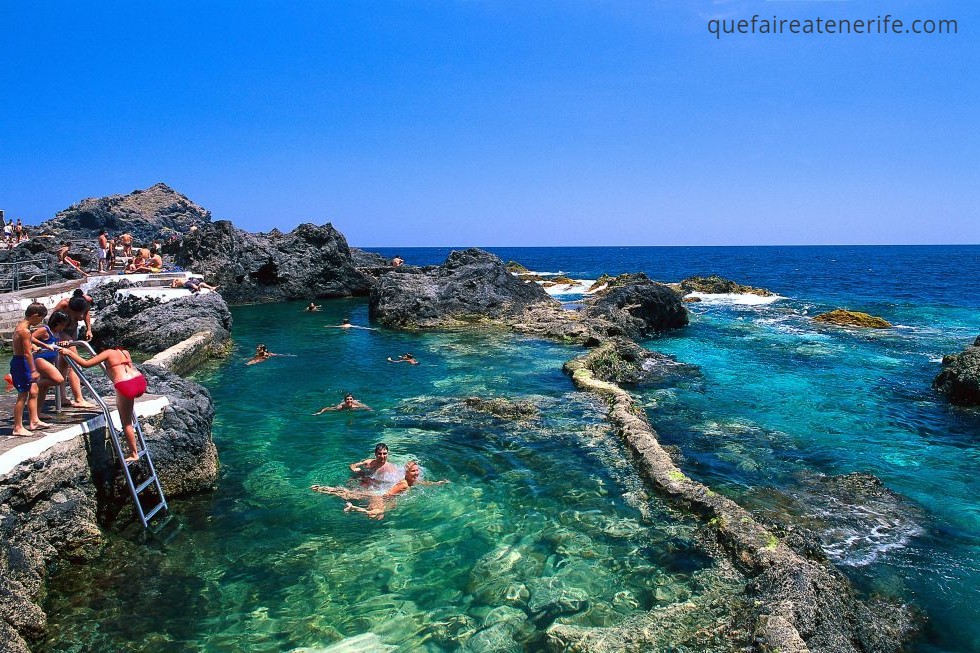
(128, 381)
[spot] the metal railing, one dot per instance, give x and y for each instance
(22, 275)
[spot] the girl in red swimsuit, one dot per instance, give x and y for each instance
(128, 381)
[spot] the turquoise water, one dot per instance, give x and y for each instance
(542, 520)
(779, 405)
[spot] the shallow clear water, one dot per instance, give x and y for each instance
(264, 564)
(542, 519)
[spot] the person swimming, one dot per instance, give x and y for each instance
(312, 308)
(404, 358)
(377, 504)
(345, 324)
(349, 403)
(372, 472)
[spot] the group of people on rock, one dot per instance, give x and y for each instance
(41, 352)
(13, 233)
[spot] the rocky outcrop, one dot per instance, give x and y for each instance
(157, 212)
(797, 603)
(147, 325)
(624, 362)
(639, 308)
(960, 377)
(51, 507)
(845, 318)
(715, 285)
(471, 286)
(364, 259)
(309, 262)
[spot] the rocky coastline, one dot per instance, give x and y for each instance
(52, 510)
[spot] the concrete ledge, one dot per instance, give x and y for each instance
(28, 450)
(183, 357)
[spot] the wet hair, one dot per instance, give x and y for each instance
(36, 309)
(108, 343)
(378, 448)
(346, 320)
(347, 394)
(58, 317)
(78, 293)
(78, 304)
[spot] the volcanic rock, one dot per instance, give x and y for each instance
(309, 262)
(845, 318)
(471, 286)
(639, 307)
(157, 212)
(960, 376)
(148, 325)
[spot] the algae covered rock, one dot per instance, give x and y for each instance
(715, 285)
(504, 408)
(960, 376)
(846, 318)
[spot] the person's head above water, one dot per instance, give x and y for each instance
(381, 450)
(412, 471)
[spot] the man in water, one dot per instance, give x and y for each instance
(349, 403)
(404, 358)
(261, 354)
(312, 308)
(377, 503)
(374, 471)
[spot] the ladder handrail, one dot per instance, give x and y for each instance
(140, 441)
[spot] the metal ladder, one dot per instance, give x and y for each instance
(152, 481)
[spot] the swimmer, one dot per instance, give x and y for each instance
(312, 308)
(349, 403)
(345, 324)
(377, 503)
(261, 354)
(404, 358)
(372, 471)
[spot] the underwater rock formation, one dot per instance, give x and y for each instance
(147, 325)
(960, 376)
(845, 318)
(52, 505)
(306, 263)
(799, 603)
(504, 408)
(471, 286)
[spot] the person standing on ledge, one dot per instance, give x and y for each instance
(103, 250)
(23, 372)
(349, 403)
(129, 382)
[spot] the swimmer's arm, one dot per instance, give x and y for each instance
(356, 467)
(397, 488)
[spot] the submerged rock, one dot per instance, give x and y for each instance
(960, 376)
(504, 408)
(147, 325)
(845, 318)
(471, 286)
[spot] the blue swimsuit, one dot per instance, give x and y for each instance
(47, 354)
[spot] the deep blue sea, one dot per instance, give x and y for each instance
(544, 520)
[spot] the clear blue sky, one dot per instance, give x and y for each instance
(493, 122)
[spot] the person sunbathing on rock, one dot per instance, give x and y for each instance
(377, 503)
(64, 257)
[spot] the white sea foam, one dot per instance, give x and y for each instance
(580, 287)
(746, 299)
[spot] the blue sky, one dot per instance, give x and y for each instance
(493, 123)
